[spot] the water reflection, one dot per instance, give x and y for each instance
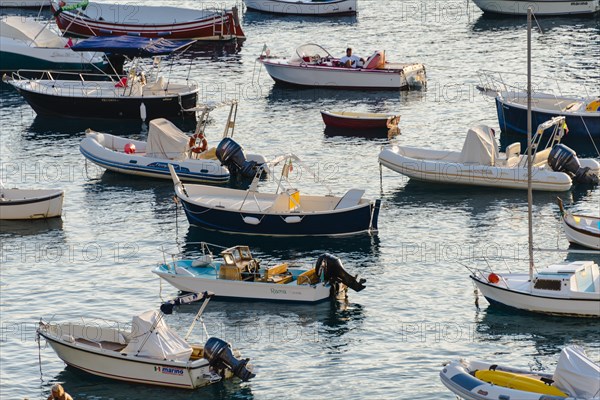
(365, 134)
(548, 334)
(81, 385)
(258, 19)
(30, 227)
(499, 22)
(377, 101)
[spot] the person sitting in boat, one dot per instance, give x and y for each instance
(198, 143)
(350, 60)
(58, 393)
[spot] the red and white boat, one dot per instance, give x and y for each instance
(86, 19)
(313, 66)
(359, 120)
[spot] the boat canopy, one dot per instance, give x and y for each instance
(161, 342)
(166, 141)
(131, 46)
(480, 146)
(576, 374)
(30, 31)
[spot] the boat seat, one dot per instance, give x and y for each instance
(350, 199)
(279, 269)
(197, 353)
(281, 279)
(285, 202)
(157, 86)
(541, 157)
(309, 277)
(230, 272)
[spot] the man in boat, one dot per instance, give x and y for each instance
(58, 393)
(350, 60)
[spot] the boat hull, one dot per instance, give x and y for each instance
(525, 301)
(324, 7)
(24, 3)
(540, 7)
(204, 171)
(129, 368)
(230, 289)
(124, 107)
(337, 223)
(473, 175)
(134, 20)
(586, 236)
(343, 78)
(512, 119)
(35, 204)
(358, 123)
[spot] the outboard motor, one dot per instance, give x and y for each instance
(232, 156)
(564, 159)
(219, 355)
(332, 269)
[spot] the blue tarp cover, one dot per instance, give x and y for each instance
(131, 46)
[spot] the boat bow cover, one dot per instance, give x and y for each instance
(577, 374)
(30, 31)
(131, 46)
(480, 147)
(161, 343)
(166, 141)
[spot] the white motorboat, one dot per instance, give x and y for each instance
(314, 66)
(303, 7)
(481, 164)
(30, 204)
(564, 289)
(238, 275)
(29, 44)
(583, 230)
(576, 378)
(166, 145)
(151, 353)
(540, 7)
(283, 213)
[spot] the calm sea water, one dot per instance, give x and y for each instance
(418, 310)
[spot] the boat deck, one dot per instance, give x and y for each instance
(104, 345)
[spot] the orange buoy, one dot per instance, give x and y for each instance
(129, 148)
(493, 278)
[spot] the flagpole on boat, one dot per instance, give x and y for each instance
(529, 149)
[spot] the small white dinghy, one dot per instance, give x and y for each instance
(166, 145)
(238, 275)
(481, 164)
(30, 204)
(583, 230)
(151, 353)
(576, 378)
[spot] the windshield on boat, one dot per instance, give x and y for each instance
(310, 50)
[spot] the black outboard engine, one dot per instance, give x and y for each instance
(232, 156)
(332, 269)
(564, 159)
(219, 355)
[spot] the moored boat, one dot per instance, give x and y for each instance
(304, 7)
(583, 230)
(359, 120)
(29, 44)
(480, 163)
(238, 275)
(575, 377)
(313, 66)
(539, 7)
(85, 19)
(132, 96)
(30, 204)
(151, 353)
(283, 213)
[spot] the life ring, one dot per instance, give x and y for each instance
(194, 146)
(593, 106)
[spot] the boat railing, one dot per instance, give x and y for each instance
(494, 82)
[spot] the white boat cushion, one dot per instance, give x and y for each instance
(350, 199)
(576, 374)
(480, 147)
(165, 140)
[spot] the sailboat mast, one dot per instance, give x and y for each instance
(529, 149)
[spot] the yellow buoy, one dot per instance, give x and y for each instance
(518, 382)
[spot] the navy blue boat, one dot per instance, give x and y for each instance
(284, 213)
(582, 114)
(132, 96)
